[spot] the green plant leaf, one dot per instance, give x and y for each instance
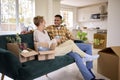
(82, 35)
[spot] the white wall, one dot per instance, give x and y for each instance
(47, 8)
(113, 36)
(41, 8)
(84, 15)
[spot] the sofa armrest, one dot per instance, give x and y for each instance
(78, 41)
(9, 63)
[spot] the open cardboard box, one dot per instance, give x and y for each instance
(45, 55)
(14, 48)
(109, 62)
(23, 57)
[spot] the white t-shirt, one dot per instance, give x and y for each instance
(43, 37)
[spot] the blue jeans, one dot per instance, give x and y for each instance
(87, 49)
(83, 69)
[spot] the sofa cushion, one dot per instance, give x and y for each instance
(26, 38)
(37, 68)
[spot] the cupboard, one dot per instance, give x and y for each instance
(100, 40)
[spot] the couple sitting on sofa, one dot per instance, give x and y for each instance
(64, 44)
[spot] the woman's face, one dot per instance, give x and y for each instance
(42, 24)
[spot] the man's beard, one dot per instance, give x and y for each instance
(57, 25)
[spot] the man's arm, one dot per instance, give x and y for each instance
(49, 31)
(69, 34)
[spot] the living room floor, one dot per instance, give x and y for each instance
(69, 72)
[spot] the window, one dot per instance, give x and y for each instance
(15, 14)
(26, 10)
(8, 18)
(67, 18)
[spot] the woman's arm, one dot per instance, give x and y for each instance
(43, 37)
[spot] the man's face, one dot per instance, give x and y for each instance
(57, 21)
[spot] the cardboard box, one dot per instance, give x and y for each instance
(109, 62)
(44, 44)
(15, 48)
(37, 44)
(45, 55)
(23, 57)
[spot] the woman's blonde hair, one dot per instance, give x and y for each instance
(37, 20)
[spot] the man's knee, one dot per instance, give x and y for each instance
(88, 45)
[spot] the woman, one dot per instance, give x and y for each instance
(40, 35)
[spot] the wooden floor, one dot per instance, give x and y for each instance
(69, 72)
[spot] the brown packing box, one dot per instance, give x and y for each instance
(13, 47)
(36, 44)
(45, 55)
(109, 62)
(27, 56)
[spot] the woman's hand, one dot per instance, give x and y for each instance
(58, 40)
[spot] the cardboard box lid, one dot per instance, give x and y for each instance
(43, 44)
(28, 54)
(112, 50)
(47, 52)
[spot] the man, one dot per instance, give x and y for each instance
(59, 30)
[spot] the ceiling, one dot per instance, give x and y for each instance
(81, 3)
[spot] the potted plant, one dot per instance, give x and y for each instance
(82, 36)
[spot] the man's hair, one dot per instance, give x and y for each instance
(37, 20)
(58, 16)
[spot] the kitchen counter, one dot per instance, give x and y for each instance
(90, 33)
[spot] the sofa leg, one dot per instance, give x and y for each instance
(46, 75)
(2, 77)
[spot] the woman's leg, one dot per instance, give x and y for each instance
(69, 46)
(83, 69)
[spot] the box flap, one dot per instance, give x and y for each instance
(112, 50)
(47, 52)
(116, 49)
(28, 54)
